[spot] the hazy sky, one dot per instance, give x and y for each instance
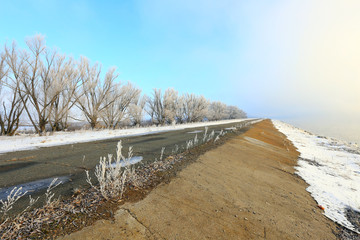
(290, 60)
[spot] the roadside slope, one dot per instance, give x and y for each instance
(244, 189)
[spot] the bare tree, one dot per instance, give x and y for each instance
(162, 108)
(12, 105)
(136, 110)
(155, 107)
(47, 85)
(180, 113)
(3, 70)
(217, 111)
(194, 107)
(117, 109)
(170, 105)
(44, 79)
(36, 71)
(67, 75)
(95, 95)
(31, 85)
(234, 112)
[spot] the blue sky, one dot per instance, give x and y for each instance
(155, 44)
(281, 59)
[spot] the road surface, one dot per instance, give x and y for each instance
(36, 168)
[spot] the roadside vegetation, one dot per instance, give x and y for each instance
(116, 181)
(48, 89)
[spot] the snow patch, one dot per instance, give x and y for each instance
(197, 131)
(34, 141)
(128, 162)
(331, 167)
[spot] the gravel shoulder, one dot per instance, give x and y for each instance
(244, 189)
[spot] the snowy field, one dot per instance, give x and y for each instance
(332, 169)
(33, 141)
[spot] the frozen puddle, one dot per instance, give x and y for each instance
(128, 162)
(230, 129)
(196, 131)
(32, 187)
(331, 168)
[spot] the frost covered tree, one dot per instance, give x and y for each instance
(217, 111)
(154, 106)
(3, 70)
(117, 109)
(194, 107)
(136, 110)
(24, 74)
(180, 116)
(69, 77)
(170, 105)
(37, 86)
(95, 94)
(234, 112)
(42, 77)
(11, 106)
(162, 107)
(46, 83)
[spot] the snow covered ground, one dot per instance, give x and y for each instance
(33, 141)
(332, 169)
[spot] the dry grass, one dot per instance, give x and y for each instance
(57, 214)
(115, 181)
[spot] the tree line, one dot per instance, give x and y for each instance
(43, 85)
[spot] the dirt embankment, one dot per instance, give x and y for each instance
(244, 189)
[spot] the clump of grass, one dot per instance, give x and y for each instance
(112, 174)
(189, 144)
(175, 150)
(32, 201)
(15, 194)
(111, 177)
(221, 133)
(162, 153)
(132, 176)
(211, 136)
(49, 195)
(205, 134)
(196, 140)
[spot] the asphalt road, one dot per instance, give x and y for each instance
(69, 162)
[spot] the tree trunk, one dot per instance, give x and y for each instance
(93, 124)
(42, 126)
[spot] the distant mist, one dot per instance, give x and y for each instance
(304, 65)
(343, 128)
